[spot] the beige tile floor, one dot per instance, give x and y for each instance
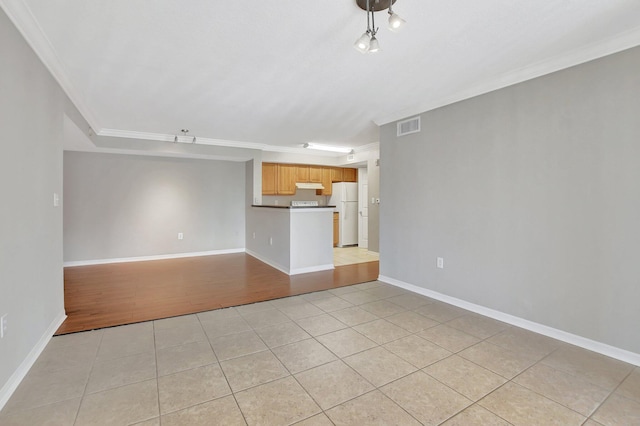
(350, 255)
(359, 355)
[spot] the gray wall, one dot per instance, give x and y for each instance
(127, 206)
(532, 196)
(31, 288)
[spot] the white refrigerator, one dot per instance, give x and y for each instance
(344, 196)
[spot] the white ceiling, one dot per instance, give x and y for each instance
(285, 72)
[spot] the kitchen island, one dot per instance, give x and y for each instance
(294, 240)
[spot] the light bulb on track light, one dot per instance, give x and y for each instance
(374, 46)
(362, 44)
(396, 23)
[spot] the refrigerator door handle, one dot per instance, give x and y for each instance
(344, 210)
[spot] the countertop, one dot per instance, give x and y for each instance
(293, 207)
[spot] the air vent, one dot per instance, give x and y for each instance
(408, 126)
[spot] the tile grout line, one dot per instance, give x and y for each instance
(233, 394)
(75, 420)
(610, 395)
(155, 354)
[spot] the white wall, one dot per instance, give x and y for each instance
(120, 206)
(31, 133)
(532, 196)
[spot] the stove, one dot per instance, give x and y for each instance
(304, 204)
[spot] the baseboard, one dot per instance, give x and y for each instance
(268, 262)
(156, 257)
(312, 269)
(12, 384)
(583, 342)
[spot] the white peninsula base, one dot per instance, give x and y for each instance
(292, 240)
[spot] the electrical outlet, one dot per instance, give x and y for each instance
(254, 235)
(56, 200)
(180, 235)
(270, 241)
(440, 263)
(3, 325)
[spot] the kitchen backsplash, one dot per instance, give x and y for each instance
(300, 195)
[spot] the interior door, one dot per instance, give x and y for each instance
(363, 208)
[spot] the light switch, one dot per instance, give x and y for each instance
(56, 200)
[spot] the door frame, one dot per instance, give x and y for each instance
(363, 195)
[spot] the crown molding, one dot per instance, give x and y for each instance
(192, 156)
(22, 17)
(132, 134)
(578, 56)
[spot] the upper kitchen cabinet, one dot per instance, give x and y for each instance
(286, 179)
(269, 176)
(326, 182)
(315, 174)
(302, 174)
(350, 175)
(336, 174)
(280, 179)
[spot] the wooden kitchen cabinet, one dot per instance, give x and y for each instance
(286, 179)
(280, 179)
(315, 174)
(349, 175)
(326, 182)
(336, 174)
(269, 173)
(302, 174)
(336, 229)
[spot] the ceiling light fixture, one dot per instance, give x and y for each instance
(368, 43)
(330, 148)
(184, 135)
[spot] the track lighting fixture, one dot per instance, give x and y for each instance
(184, 135)
(368, 43)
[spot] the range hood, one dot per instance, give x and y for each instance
(304, 185)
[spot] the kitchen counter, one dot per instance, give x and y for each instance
(293, 207)
(293, 239)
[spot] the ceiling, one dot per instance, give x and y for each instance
(283, 73)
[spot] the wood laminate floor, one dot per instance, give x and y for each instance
(100, 296)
